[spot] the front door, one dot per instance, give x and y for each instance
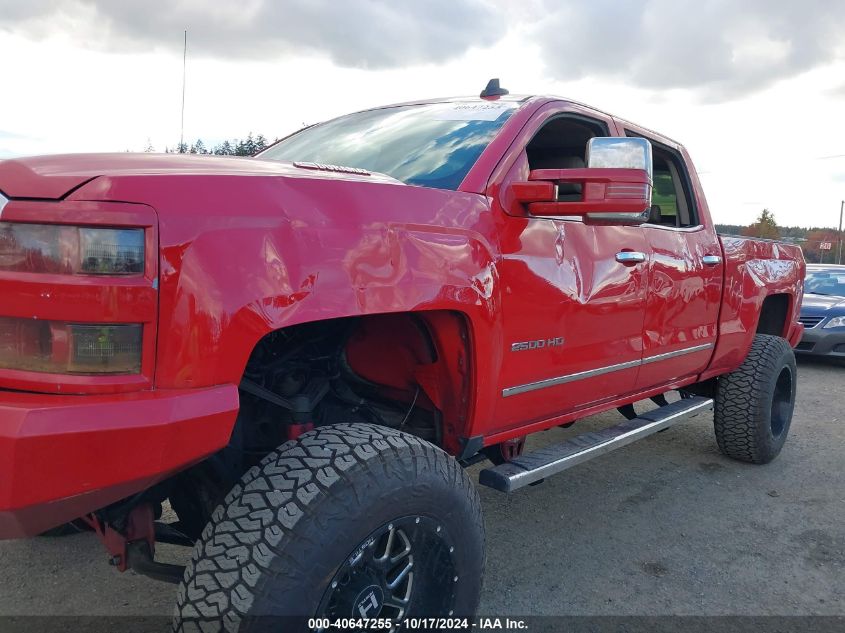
(573, 315)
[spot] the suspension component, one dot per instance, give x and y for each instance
(134, 546)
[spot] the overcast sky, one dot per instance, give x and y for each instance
(755, 89)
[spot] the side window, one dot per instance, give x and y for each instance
(665, 194)
(562, 144)
(671, 202)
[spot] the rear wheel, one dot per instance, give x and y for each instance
(348, 521)
(754, 404)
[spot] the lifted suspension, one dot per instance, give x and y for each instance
(134, 546)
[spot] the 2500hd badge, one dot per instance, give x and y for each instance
(538, 344)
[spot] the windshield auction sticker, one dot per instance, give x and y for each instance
(472, 111)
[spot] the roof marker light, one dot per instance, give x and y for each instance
(493, 89)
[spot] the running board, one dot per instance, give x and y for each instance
(550, 460)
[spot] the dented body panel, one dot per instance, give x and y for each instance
(755, 270)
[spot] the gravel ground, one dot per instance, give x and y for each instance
(666, 526)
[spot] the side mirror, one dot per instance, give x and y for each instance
(615, 186)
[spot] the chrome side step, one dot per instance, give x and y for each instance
(550, 460)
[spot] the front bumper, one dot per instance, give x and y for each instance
(821, 342)
(62, 457)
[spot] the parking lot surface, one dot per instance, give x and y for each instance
(666, 526)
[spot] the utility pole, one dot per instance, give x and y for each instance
(184, 65)
(839, 255)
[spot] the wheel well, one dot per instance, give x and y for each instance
(401, 370)
(407, 371)
(773, 315)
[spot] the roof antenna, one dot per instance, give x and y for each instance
(182, 148)
(493, 89)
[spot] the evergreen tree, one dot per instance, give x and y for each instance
(245, 147)
(248, 146)
(224, 149)
(198, 148)
(764, 227)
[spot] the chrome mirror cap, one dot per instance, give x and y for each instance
(625, 153)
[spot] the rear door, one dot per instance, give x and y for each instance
(685, 271)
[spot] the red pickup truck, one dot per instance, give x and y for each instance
(298, 353)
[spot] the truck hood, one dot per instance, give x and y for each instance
(54, 177)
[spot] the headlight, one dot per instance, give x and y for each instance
(69, 348)
(62, 249)
(835, 322)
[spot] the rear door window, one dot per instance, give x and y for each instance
(672, 202)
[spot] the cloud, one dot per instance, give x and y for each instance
(353, 33)
(720, 49)
(837, 91)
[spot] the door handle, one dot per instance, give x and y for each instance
(711, 260)
(630, 257)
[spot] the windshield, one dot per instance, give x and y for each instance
(432, 145)
(825, 283)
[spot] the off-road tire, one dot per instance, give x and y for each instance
(276, 542)
(754, 404)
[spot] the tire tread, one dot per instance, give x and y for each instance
(254, 532)
(741, 401)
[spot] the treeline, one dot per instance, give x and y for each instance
(788, 233)
(248, 146)
(810, 239)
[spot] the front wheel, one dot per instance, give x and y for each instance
(347, 521)
(754, 403)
